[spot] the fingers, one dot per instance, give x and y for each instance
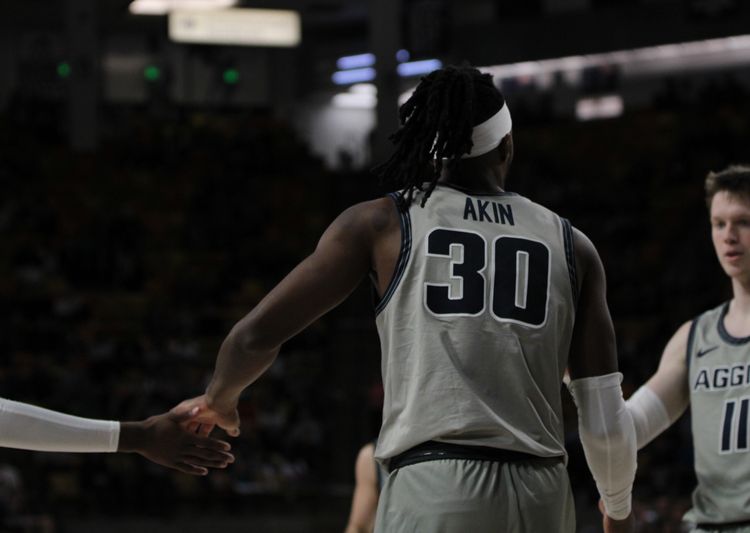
(211, 444)
(188, 468)
(217, 461)
(183, 415)
(205, 429)
(209, 457)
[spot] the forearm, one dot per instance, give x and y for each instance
(133, 436)
(240, 362)
(608, 438)
(28, 427)
(650, 415)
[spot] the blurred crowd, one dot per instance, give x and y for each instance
(121, 271)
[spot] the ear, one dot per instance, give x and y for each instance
(505, 148)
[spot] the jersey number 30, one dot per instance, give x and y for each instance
(518, 277)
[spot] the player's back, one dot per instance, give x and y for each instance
(476, 324)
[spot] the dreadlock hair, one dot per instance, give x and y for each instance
(436, 127)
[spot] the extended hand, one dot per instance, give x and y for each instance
(208, 416)
(163, 440)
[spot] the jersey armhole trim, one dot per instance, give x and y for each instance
(570, 257)
(690, 341)
(403, 255)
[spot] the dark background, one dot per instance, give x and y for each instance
(137, 225)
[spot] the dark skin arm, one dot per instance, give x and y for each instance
(361, 239)
(163, 440)
(593, 351)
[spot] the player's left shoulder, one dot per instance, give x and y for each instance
(372, 216)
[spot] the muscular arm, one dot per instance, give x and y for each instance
(341, 260)
(604, 423)
(593, 351)
(366, 493)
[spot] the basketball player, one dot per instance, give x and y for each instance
(160, 438)
(706, 364)
(369, 476)
(483, 294)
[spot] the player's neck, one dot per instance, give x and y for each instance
(480, 180)
(737, 320)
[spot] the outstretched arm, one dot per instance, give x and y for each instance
(320, 282)
(661, 401)
(159, 438)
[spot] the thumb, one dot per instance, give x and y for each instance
(232, 425)
(183, 415)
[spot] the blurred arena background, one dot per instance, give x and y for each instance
(161, 169)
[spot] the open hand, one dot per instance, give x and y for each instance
(208, 416)
(164, 440)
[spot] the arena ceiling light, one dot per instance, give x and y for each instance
(647, 61)
(365, 74)
(416, 68)
(638, 62)
(162, 7)
(236, 26)
(355, 75)
(600, 107)
(355, 61)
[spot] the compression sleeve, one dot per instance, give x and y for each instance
(608, 437)
(29, 427)
(649, 415)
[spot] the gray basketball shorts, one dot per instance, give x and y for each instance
(465, 495)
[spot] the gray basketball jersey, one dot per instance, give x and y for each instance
(475, 326)
(719, 374)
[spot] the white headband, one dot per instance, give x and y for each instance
(490, 133)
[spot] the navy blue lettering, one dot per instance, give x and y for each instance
(506, 214)
(469, 210)
(726, 434)
(742, 431)
(737, 376)
(483, 214)
(702, 380)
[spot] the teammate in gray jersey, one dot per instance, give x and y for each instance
(485, 299)
(706, 364)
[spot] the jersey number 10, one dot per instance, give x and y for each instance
(518, 277)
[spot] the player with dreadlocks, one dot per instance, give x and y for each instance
(485, 299)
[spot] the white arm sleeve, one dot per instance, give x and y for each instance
(29, 427)
(649, 415)
(608, 437)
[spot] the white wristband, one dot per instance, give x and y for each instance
(29, 427)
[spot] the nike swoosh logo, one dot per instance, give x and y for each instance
(701, 353)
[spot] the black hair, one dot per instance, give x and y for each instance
(436, 126)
